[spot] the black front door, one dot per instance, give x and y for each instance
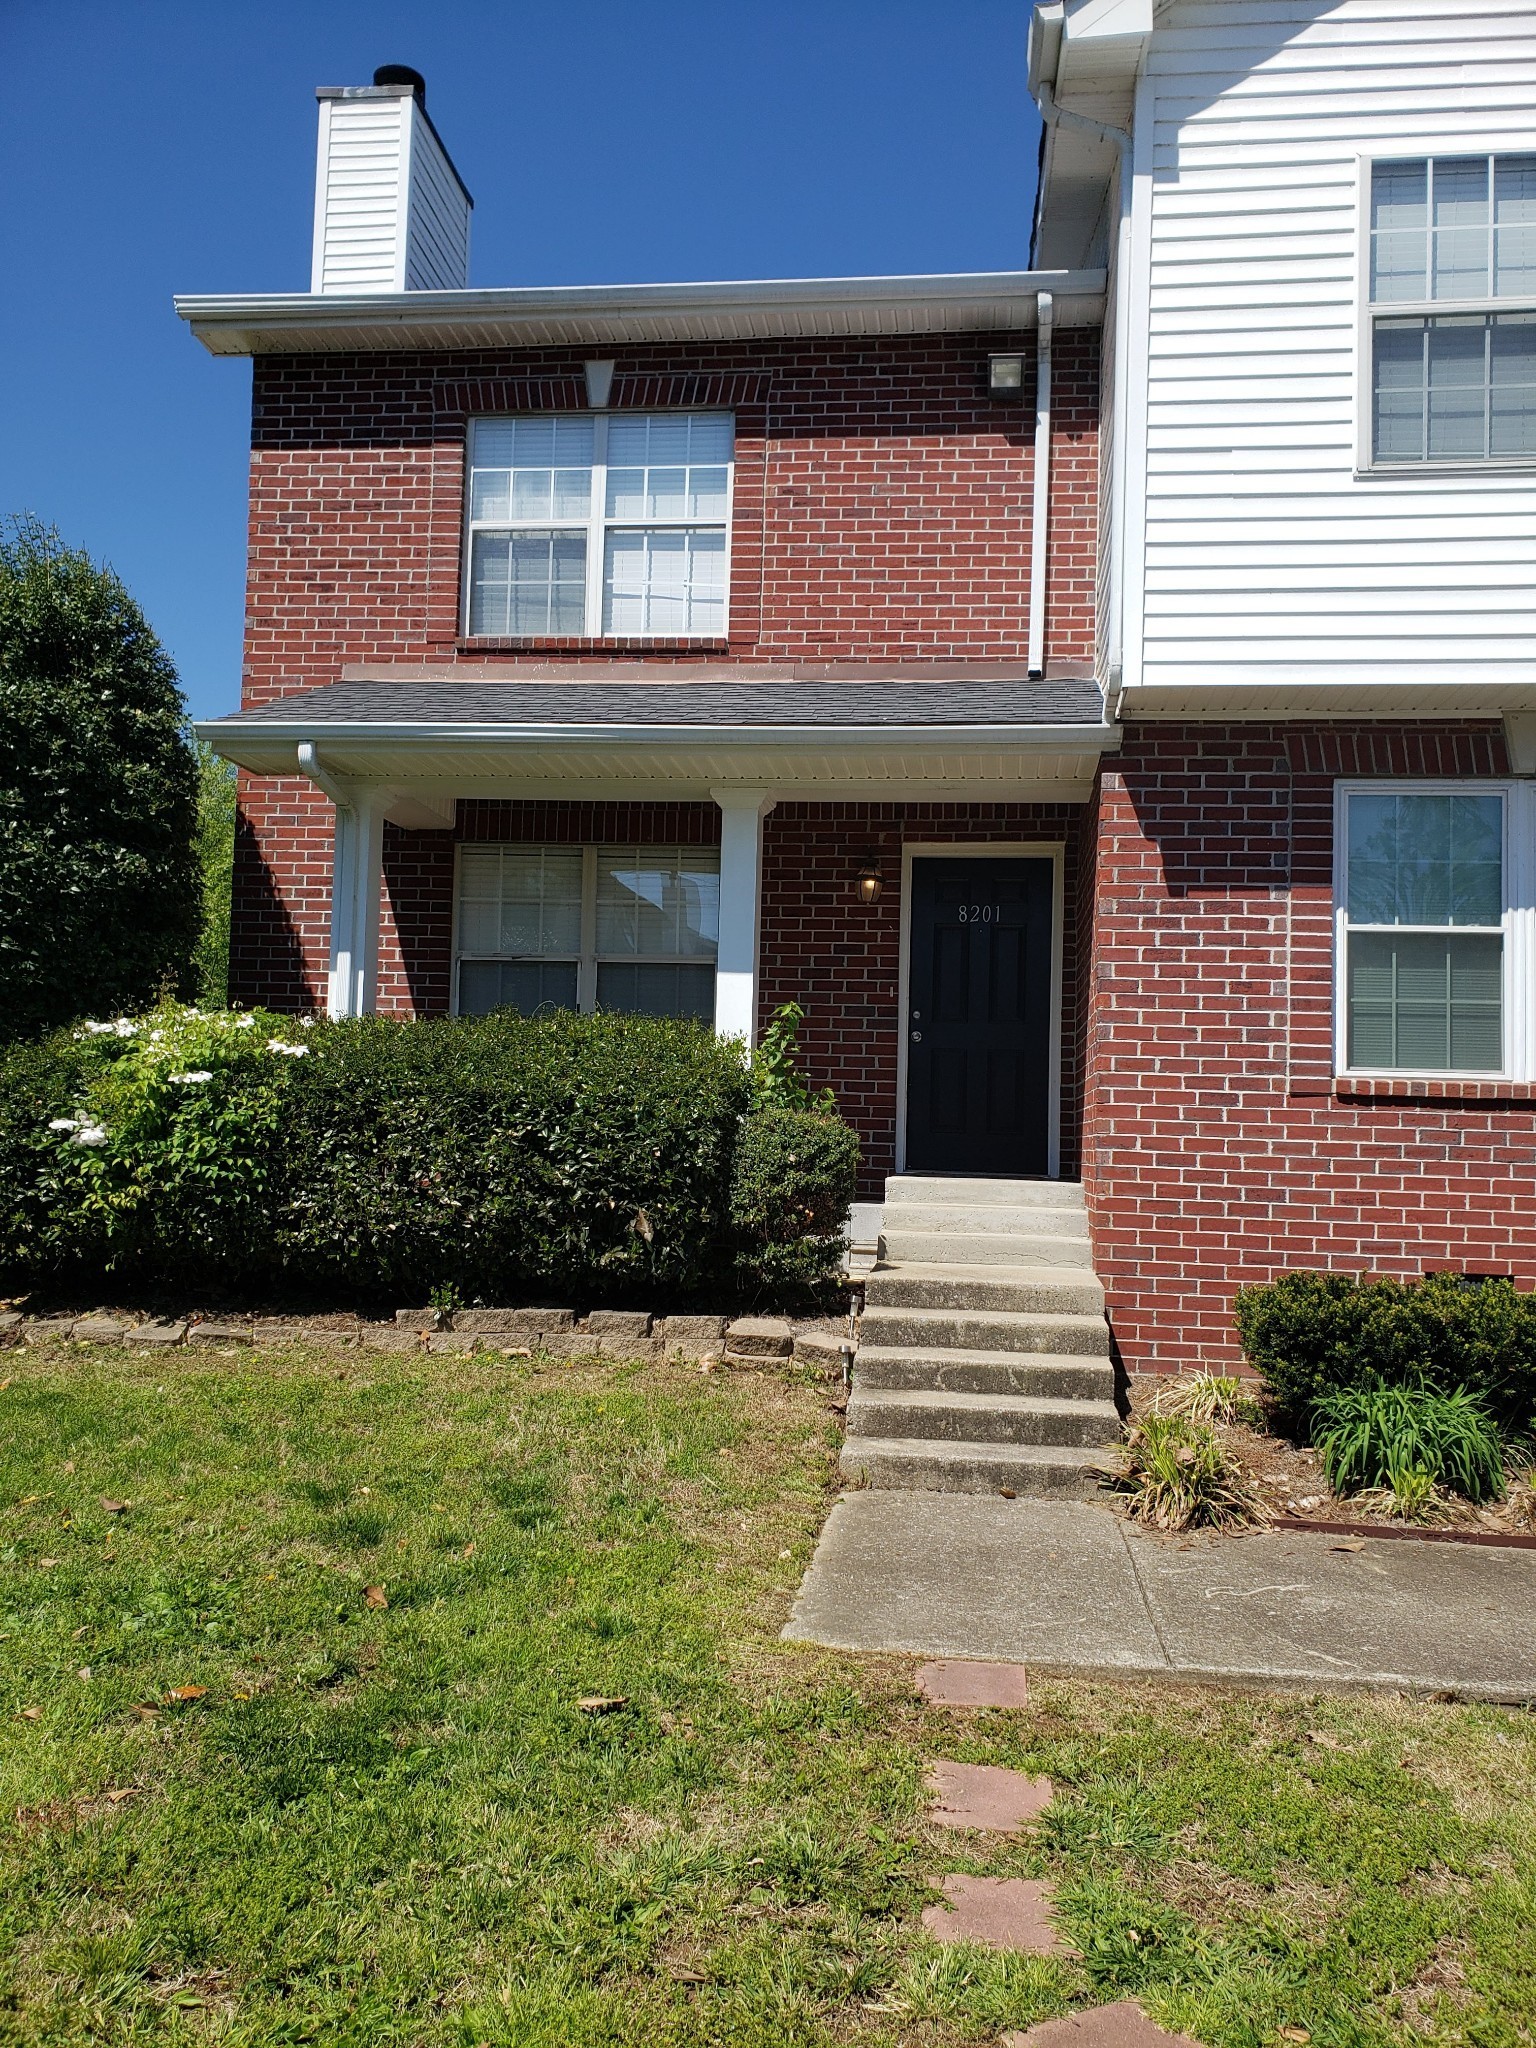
(979, 1017)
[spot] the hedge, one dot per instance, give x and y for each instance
(1312, 1334)
(582, 1159)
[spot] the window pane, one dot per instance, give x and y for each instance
(1425, 1001)
(1399, 223)
(1399, 393)
(1459, 205)
(531, 469)
(1457, 388)
(528, 583)
(1514, 233)
(540, 899)
(668, 466)
(1512, 386)
(526, 986)
(653, 991)
(1425, 860)
(664, 583)
(658, 901)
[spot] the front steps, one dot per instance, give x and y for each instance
(983, 1362)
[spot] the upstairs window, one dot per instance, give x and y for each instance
(588, 928)
(1453, 309)
(599, 525)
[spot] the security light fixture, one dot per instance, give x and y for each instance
(871, 882)
(599, 384)
(1005, 376)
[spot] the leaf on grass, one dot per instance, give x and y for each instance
(147, 1713)
(31, 1713)
(84, 1671)
(187, 1692)
(121, 1792)
(68, 1465)
(373, 1596)
(1298, 2034)
(1323, 1741)
(46, 1564)
(113, 1507)
(598, 1703)
(469, 1550)
(683, 1975)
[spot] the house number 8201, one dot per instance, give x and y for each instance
(981, 913)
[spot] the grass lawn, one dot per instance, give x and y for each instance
(381, 1824)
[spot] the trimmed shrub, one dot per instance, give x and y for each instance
(587, 1159)
(794, 1176)
(1392, 1437)
(1311, 1334)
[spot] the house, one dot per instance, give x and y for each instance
(1104, 696)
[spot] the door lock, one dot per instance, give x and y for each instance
(917, 1038)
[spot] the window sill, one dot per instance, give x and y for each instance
(600, 644)
(1423, 1088)
(1499, 465)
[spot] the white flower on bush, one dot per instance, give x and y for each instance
(90, 1134)
(297, 1052)
(198, 1074)
(245, 1023)
(65, 1123)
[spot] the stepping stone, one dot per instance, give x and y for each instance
(955, 1682)
(985, 1796)
(997, 1912)
(1107, 2026)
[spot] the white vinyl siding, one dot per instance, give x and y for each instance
(390, 215)
(600, 927)
(599, 525)
(1261, 555)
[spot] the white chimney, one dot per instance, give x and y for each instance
(391, 212)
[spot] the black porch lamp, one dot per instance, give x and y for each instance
(870, 882)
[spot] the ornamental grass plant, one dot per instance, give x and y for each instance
(1173, 1474)
(1406, 1439)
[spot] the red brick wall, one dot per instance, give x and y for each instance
(1216, 1147)
(841, 961)
(881, 511)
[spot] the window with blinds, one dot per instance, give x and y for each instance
(599, 525)
(588, 928)
(1453, 309)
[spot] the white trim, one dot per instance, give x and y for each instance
(1053, 850)
(1517, 927)
(1040, 509)
(1138, 308)
(738, 954)
(322, 198)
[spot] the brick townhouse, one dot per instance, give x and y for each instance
(1103, 696)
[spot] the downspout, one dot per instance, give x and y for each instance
(1119, 140)
(324, 781)
(1039, 528)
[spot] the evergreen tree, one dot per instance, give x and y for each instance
(99, 888)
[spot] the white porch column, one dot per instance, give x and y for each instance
(742, 812)
(357, 871)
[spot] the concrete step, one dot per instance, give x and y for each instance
(981, 1248)
(1084, 1377)
(930, 1187)
(928, 1467)
(1081, 1334)
(981, 1418)
(1024, 1288)
(1038, 1220)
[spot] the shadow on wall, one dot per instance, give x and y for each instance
(266, 955)
(1205, 85)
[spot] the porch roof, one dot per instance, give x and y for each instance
(427, 736)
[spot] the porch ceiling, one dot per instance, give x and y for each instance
(430, 738)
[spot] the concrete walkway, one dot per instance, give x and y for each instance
(1067, 1586)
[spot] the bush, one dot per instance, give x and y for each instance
(1311, 1334)
(1174, 1476)
(1392, 1437)
(794, 1176)
(98, 794)
(587, 1159)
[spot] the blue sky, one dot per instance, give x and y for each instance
(156, 147)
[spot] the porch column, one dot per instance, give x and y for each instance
(742, 812)
(357, 870)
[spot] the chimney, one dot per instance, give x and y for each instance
(391, 212)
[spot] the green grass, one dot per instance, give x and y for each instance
(393, 1825)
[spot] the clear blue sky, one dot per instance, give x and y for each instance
(161, 147)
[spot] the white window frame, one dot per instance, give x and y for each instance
(588, 959)
(597, 524)
(1369, 311)
(1517, 926)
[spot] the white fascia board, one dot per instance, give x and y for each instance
(1235, 703)
(541, 315)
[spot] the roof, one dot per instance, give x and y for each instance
(807, 703)
(599, 315)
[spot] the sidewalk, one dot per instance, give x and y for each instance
(1071, 1587)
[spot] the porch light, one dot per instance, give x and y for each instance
(1005, 376)
(870, 882)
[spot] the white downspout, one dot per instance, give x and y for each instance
(1119, 140)
(1040, 518)
(356, 881)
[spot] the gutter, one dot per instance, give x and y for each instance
(301, 734)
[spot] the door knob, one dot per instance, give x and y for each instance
(917, 1038)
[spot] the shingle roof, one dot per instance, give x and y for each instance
(835, 704)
